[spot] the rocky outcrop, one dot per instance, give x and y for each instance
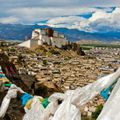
(46, 88)
(10, 71)
(75, 47)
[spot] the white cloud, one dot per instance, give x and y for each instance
(31, 15)
(29, 11)
(10, 20)
(65, 21)
(101, 21)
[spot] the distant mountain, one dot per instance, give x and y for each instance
(16, 31)
(73, 34)
(19, 32)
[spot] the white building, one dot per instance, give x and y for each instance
(39, 37)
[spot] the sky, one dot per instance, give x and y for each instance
(86, 15)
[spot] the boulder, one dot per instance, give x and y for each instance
(46, 89)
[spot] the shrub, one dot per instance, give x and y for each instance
(97, 112)
(67, 58)
(54, 52)
(45, 62)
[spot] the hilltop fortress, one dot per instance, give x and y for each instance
(45, 36)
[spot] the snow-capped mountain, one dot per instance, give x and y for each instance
(100, 21)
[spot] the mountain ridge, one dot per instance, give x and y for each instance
(20, 31)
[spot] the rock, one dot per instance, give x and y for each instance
(15, 110)
(44, 68)
(28, 80)
(74, 46)
(12, 73)
(89, 113)
(86, 109)
(92, 109)
(57, 62)
(75, 62)
(79, 51)
(46, 89)
(56, 71)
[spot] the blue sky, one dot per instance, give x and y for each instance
(78, 14)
